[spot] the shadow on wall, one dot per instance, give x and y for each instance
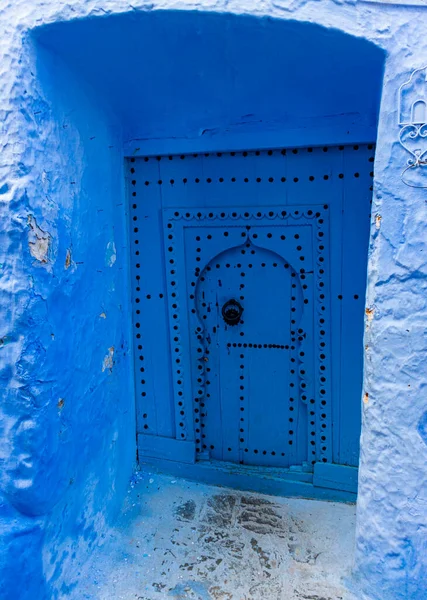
(193, 75)
(68, 446)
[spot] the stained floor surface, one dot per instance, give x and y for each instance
(180, 540)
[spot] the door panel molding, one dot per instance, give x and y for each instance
(312, 222)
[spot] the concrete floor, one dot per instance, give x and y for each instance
(180, 540)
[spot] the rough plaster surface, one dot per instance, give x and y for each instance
(181, 540)
(67, 426)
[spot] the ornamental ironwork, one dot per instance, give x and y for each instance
(412, 115)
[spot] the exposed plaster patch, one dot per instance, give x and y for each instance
(369, 313)
(110, 255)
(366, 397)
(103, 315)
(68, 259)
(60, 403)
(108, 361)
(39, 241)
(378, 219)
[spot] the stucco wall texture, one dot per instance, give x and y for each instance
(67, 412)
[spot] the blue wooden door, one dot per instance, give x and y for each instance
(276, 240)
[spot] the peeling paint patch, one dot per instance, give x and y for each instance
(68, 259)
(366, 397)
(378, 220)
(108, 361)
(103, 315)
(39, 241)
(110, 255)
(369, 313)
(60, 403)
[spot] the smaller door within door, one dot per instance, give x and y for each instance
(249, 302)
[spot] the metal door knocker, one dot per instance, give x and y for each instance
(232, 312)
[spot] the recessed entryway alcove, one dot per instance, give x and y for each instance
(196, 250)
(248, 149)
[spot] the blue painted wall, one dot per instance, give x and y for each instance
(68, 431)
(67, 414)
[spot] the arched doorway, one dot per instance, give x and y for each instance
(249, 308)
